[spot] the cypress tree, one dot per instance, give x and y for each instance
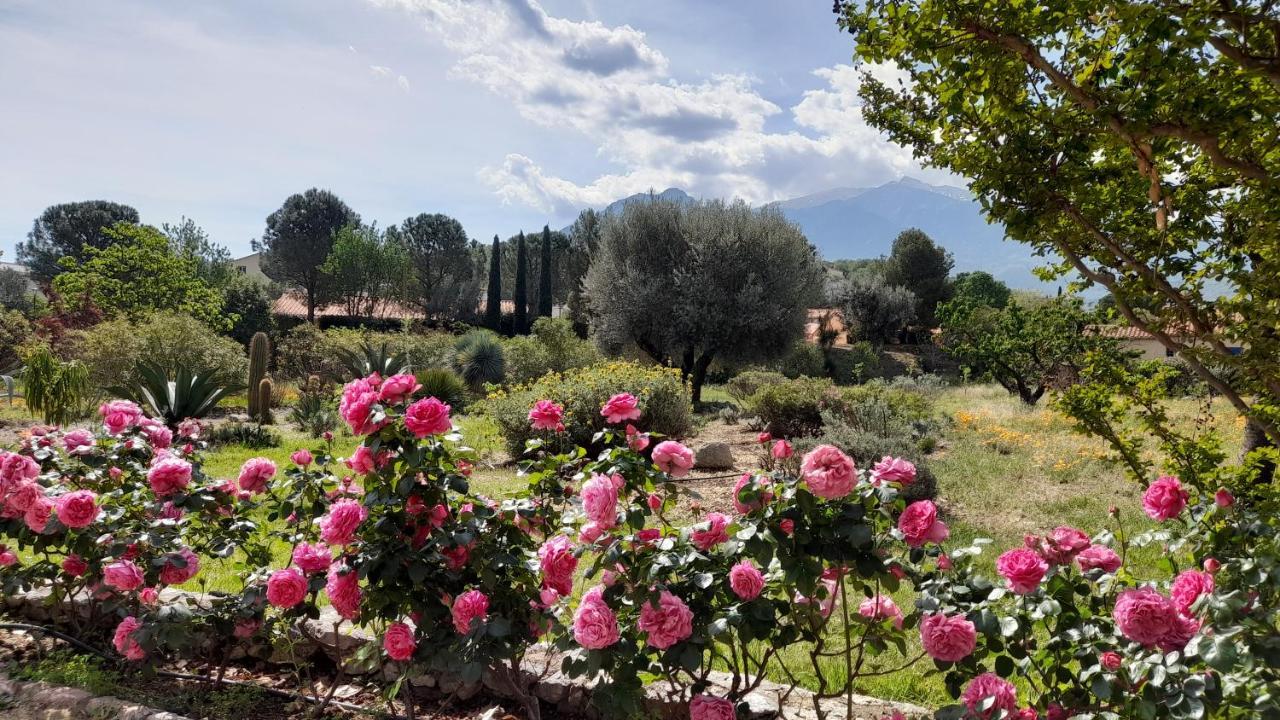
(521, 297)
(493, 301)
(544, 275)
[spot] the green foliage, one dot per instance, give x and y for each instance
(16, 292)
(59, 390)
(315, 411)
(66, 668)
(366, 269)
(552, 346)
(15, 331)
(876, 311)
(66, 231)
(212, 261)
(479, 359)
(176, 393)
(113, 350)
(804, 360)
(521, 293)
(980, 288)
(664, 401)
(445, 277)
(919, 264)
(444, 385)
(248, 435)
(745, 384)
(306, 350)
(793, 408)
(493, 291)
(369, 358)
(247, 300)
(545, 265)
(259, 356)
(298, 239)
(137, 274)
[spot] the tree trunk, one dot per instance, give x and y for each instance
(700, 375)
(1255, 438)
(311, 303)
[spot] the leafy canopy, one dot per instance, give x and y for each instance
(66, 230)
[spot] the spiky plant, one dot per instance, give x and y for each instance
(178, 393)
(368, 359)
(444, 385)
(478, 358)
(259, 355)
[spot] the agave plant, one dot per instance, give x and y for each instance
(368, 359)
(175, 396)
(478, 358)
(444, 385)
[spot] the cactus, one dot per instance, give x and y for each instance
(264, 402)
(259, 354)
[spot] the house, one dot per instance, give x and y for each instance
(251, 265)
(293, 305)
(1144, 343)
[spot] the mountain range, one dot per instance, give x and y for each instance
(862, 223)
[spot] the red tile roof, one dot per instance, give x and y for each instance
(293, 304)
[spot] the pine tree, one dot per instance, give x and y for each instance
(521, 297)
(544, 275)
(493, 301)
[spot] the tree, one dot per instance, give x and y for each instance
(65, 230)
(521, 295)
(493, 296)
(248, 301)
(875, 310)
(366, 271)
(919, 264)
(137, 273)
(445, 277)
(213, 261)
(584, 238)
(298, 239)
(689, 283)
(980, 288)
(1135, 142)
(544, 275)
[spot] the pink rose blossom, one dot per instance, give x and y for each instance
(74, 566)
(1023, 569)
(590, 533)
(190, 429)
(169, 476)
(600, 501)
(944, 562)
(1211, 565)
(339, 526)
(119, 415)
(708, 707)
(22, 496)
(172, 574)
(343, 590)
(546, 415)
(398, 388)
(948, 638)
(157, 434)
(666, 623)
(673, 458)
(557, 563)
(829, 473)
(78, 442)
(745, 580)
(7, 557)
(1062, 545)
(636, 440)
(124, 642)
(38, 513)
(1223, 498)
(881, 607)
(655, 502)
(286, 588)
(255, 474)
(990, 685)
(312, 559)
(123, 575)
(1188, 587)
(1164, 499)
(1098, 557)
(758, 483)
(149, 596)
(920, 525)
(826, 599)
(620, 408)
(787, 525)
(356, 407)
(1111, 660)
(470, 606)
(895, 470)
(361, 461)
(595, 626)
(1150, 619)
(15, 468)
(428, 417)
(713, 534)
(782, 450)
(764, 438)
(399, 642)
(301, 458)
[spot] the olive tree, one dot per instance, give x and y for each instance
(688, 284)
(875, 310)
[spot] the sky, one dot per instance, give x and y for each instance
(505, 114)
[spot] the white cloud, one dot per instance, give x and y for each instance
(380, 70)
(403, 82)
(616, 90)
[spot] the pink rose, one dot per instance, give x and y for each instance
(399, 642)
(180, 567)
(169, 475)
(948, 638)
(470, 606)
(764, 437)
(667, 622)
(77, 509)
(1023, 569)
(1062, 545)
(123, 639)
(557, 563)
(22, 496)
(919, 524)
(1164, 499)
(78, 442)
(361, 461)
(758, 484)
(342, 586)
(38, 513)
(595, 626)
(636, 440)
(1150, 619)
(286, 588)
(590, 533)
(74, 566)
(119, 415)
(123, 575)
(428, 417)
(713, 534)
(1098, 557)
(190, 429)
(895, 470)
(149, 596)
(782, 450)
(707, 707)
(301, 458)
(1111, 660)
(1188, 587)
(620, 408)
(7, 557)
(15, 468)
(546, 415)
(745, 580)
(655, 502)
(339, 526)
(824, 596)
(1003, 695)
(787, 526)
(600, 501)
(397, 388)
(829, 473)
(1212, 566)
(1223, 498)
(255, 474)
(312, 559)
(673, 458)
(157, 434)
(356, 406)
(881, 607)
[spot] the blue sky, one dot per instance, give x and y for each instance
(502, 113)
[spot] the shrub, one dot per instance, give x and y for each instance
(306, 350)
(853, 363)
(303, 352)
(793, 408)
(867, 448)
(745, 384)
(664, 401)
(479, 359)
(551, 346)
(112, 350)
(178, 393)
(804, 360)
(367, 358)
(249, 435)
(58, 390)
(15, 331)
(444, 385)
